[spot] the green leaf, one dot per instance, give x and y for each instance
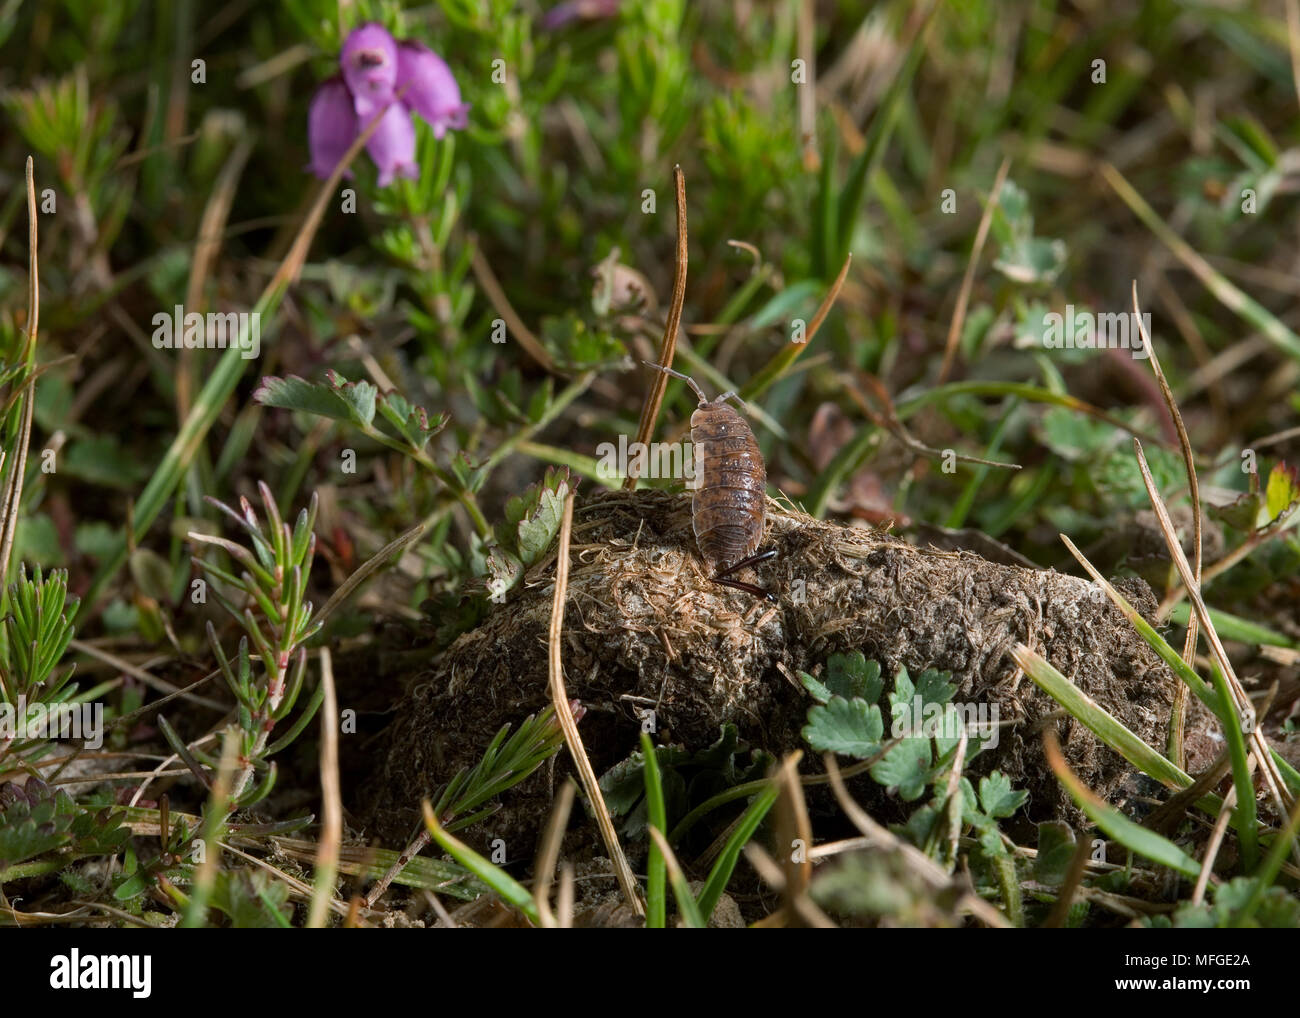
(851, 675)
(932, 688)
(132, 886)
(538, 531)
(27, 831)
(102, 460)
(533, 519)
(1233, 627)
(506, 887)
(784, 304)
(990, 840)
(720, 755)
(906, 767)
(1282, 490)
(818, 692)
(411, 422)
(340, 400)
(1024, 258)
(1012, 217)
(94, 539)
(251, 899)
(623, 785)
(1056, 848)
(577, 348)
(848, 727)
(935, 687)
(1250, 140)
(997, 796)
(1074, 436)
(904, 688)
(1243, 513)
(921, 826)
(1032, 260)
(1276, 909)
(725, 865)
(505, 763)
(36, 819)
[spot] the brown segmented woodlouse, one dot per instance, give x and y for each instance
(729, 507)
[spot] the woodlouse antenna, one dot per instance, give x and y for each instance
(677, 374)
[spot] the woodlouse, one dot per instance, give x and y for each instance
(729, 507)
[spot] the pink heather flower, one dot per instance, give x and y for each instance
(369, 60)
(392, 146)
(331, 127)
(430, 89)
(375, 69)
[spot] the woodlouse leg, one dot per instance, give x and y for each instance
(721, 576)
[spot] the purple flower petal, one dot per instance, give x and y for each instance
(331, 127)
(573, 10)
(430, 89)
(392, 146)
(369, 62)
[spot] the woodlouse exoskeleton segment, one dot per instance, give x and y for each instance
(729, 507)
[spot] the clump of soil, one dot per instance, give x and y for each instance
(645, 628)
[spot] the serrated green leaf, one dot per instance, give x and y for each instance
(934, 687)
(906, 767)
(411, 422)
(623, 785)
(251, 899)
(340, 399)
(538, 531)
(1277, 909)
(997, 796)
(921, 825)
(848, 727)
(851, 675)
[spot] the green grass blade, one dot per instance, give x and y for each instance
(1271, 866)
(1227, 293)
(690, 912)
(730, 854)
(506, 887)
(1219, 699)
(1104, 725)
(882, 128)
(656, 890)
(1233, 627)
(1132, 836)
